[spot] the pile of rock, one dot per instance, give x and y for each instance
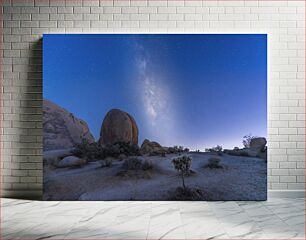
(64, 133)
(257, 149)
(152, 148)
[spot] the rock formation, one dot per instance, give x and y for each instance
(153, 148)
(71, 161)
(258, 143)
(61, 129)
(118, 126)
(257, 149)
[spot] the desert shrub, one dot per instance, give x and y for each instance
(176, 149)
(89, 151)
(247, 140)
(243, 154)
(147, 165)
(132, 164)
(112, 150)
(108, 161)
(135, 163)
(182, 164)
(189, 194)
(82, 148)
(122, 156)
(124, 148)
(214, 163)
(97, 151)
(217, 149)
(171, 150)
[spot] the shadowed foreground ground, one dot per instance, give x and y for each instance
(242, 178)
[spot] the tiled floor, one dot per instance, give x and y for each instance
(274, 219)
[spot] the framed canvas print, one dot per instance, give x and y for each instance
(155, 117)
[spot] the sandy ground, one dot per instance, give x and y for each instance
(242, 178)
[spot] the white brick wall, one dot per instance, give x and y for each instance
(24, 22)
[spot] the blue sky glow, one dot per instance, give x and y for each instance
(195, 90)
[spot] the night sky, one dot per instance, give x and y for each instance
(195, 90)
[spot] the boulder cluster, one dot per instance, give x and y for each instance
(62, 130)
(257, 148)
(118, 136)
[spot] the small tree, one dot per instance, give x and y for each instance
(182, 164)
(247, 140)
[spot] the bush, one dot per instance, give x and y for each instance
(106, 162)
(214, 163)
(189, 194)
(244, 154)
(177, 149)
(89, 151)
(182, 164)
(115, 149)
(132, 164)
(93, 151)
(217, 149)
(137, 164)
(147, 165)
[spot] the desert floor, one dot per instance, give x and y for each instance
(241, 178)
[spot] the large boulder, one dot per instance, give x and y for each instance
(152, 148)
(258, 143)
(71, 161)
(52, 157)
(61, 129)
(118, 126)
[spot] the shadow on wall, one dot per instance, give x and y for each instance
(31, 136)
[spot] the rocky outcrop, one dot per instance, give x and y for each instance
(118, 126)
(71, 161)
(52, 157)
(152, 148)
(61, 129)
(258, 143)
(257, 149)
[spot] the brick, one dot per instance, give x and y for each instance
(288, 179)
(147, 9)
(82, 24)
(46, 24)
(81, 9)
(91, 3)
(98, 24)
(64, 10)
(129, 10)
(48, 10)
(157, 3)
